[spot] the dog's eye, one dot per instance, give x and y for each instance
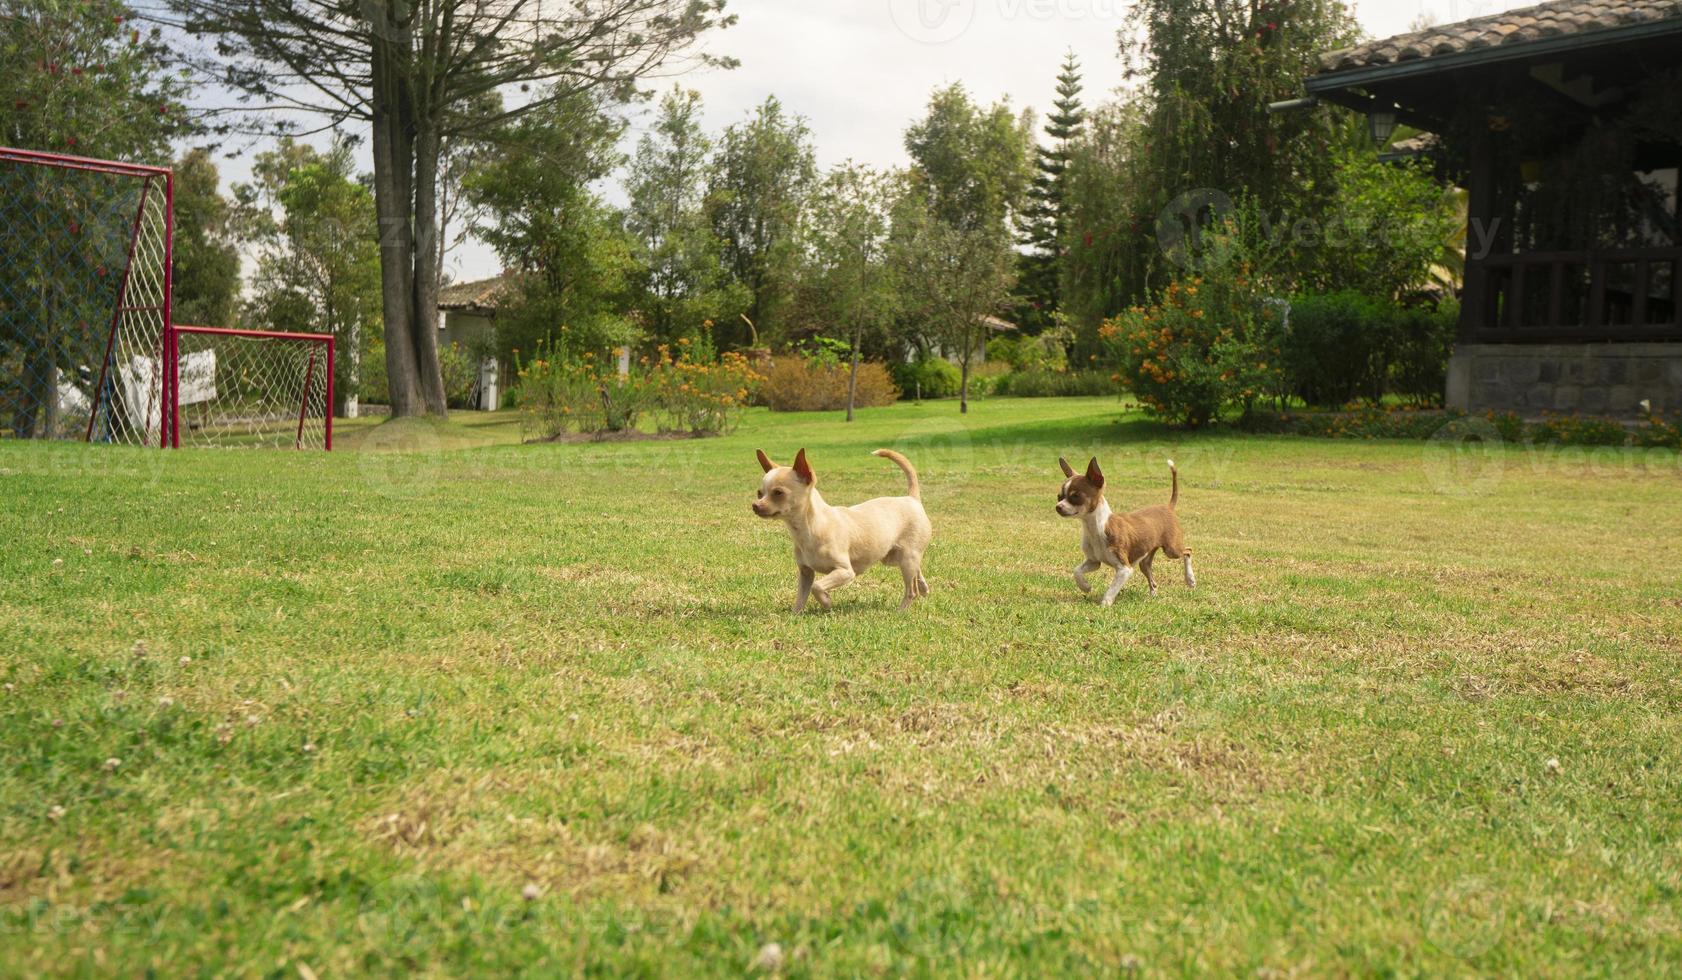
(761, 495)
(778, 491)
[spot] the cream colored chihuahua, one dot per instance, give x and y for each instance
(839, 543)
(1121, 540)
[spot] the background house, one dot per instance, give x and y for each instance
(1564, 123)
(467, 320)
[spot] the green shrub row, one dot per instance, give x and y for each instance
(1408, 422)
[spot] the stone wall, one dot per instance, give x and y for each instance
(1587, 379)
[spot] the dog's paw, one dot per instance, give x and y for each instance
(1082, 584)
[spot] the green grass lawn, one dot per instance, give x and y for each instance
(1422, 715)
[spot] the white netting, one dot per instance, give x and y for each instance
(242, 388)
(83, 263)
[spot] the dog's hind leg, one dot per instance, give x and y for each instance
(1145, 566)
(1191, 578)
(1084, 569)
(914, 584)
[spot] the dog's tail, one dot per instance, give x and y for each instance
(914, 489)
(1174, 474)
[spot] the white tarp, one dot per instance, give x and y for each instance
(198, 377)
(72, 401)
(141, 396)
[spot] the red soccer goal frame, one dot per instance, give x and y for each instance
(149, 175)
(172, 376)
(166, 342)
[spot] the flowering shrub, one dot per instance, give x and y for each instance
(683, 391)
(1577, 430)
(556, 393)
(1207, 342)
(1660, 431)
(700, 396)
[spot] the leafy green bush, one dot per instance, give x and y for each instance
(1056, 384)
(461, 375)
(928, 378)
(1365, 423)
(1338, 348)
(1045, 352)
(1345, 346)
(373, 387)
(1424, 341)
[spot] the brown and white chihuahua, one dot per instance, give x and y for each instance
(1120, 540)
(839, 543)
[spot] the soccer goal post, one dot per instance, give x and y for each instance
(251, 388)
(84, 298)
(88, 349)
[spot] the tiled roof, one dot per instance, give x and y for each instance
(1545, 20)
(482, 294)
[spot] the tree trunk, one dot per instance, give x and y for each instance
(425, 258)
(963, 385)
(853, 378)
(393, 162)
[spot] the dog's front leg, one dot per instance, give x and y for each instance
(1122, 574)
(806, 576)
(830, 582)
(1082, 570)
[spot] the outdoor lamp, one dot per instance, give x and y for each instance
(1380, 125)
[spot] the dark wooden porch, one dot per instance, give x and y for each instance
(1602, 295)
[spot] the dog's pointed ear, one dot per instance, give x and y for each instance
(765, 461)
(1094, 475)
(1067, 469)
(802, 468)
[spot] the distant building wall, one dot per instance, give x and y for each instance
(1588, 379)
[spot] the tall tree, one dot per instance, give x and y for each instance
(1107, 246)
(1042, 218)
(83, 77)
(206, 257)
(415, 72)
(761, 173)
(570, 257)
(683, 283)
(317, 253)
(1196, 130)
(1209, 69)
(846, 238)
(954, 250)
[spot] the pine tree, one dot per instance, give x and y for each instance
(1042, 224)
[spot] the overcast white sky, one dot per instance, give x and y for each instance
(861, 70)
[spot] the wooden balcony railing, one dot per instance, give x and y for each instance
(1588, 296)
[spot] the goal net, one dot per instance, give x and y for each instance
(251, 388)
(87, 347)
(84, 298)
